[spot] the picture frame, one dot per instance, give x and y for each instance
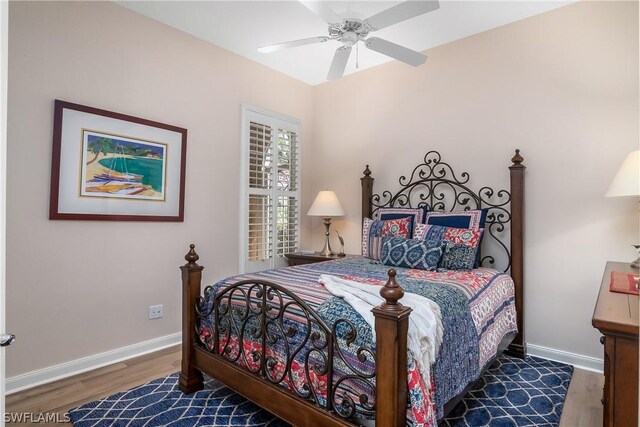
(109, 166)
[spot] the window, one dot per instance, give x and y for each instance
(271, 184)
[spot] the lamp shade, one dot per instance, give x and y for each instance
(627, 180)
(326, 205)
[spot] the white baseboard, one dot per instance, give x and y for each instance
(578, 360)
(78, 366)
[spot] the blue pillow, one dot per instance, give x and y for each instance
(472, 219)
(416, 215)
(458, 257)
(411, 253)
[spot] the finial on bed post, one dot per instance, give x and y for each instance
(391, 291)
(392, 324)
(191, 257)
(517, 159)
(190, 376)
(367, 192)
(518, 346)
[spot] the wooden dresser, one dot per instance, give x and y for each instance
(616, 317)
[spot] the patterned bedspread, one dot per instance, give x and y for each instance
(477, 312)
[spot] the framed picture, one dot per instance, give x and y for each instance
(114, 167)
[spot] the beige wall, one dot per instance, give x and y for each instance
(78, 288)
(562, 87)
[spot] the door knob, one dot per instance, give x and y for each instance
(7, 339)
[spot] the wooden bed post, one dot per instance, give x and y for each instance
(367, 192)
(190, 377)
(518, 346)
(392, 323)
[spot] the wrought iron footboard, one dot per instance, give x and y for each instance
(274, 334)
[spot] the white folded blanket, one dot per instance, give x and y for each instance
(425, 322)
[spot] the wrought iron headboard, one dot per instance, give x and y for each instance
(434, 184)
(427, 185)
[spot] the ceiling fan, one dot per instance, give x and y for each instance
(349, 31)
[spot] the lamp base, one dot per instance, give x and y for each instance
(326, 251)
(636, 263)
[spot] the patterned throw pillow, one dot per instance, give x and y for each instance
(373, 231)
(459, 245)
(411, 253)
(473, 219)
(416, 215)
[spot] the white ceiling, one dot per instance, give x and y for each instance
(243, 26)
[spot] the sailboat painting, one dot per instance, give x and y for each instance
(115, 166)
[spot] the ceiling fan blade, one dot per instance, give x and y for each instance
(293, 43)
(339, 62)
(323, 10)
(401, 12)
(396, 51)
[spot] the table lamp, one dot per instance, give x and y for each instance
(326, 205)
(626, 183)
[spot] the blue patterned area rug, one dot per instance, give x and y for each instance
(515, 392)
(512, 392)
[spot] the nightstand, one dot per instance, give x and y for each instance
(299, 258)
(616, 317)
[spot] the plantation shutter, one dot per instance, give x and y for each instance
(272, 199)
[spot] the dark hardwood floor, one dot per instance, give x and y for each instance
(582, 407)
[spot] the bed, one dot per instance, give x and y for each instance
(283, 341)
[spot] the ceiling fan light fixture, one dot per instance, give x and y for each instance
(349, 38)
(350, 30)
